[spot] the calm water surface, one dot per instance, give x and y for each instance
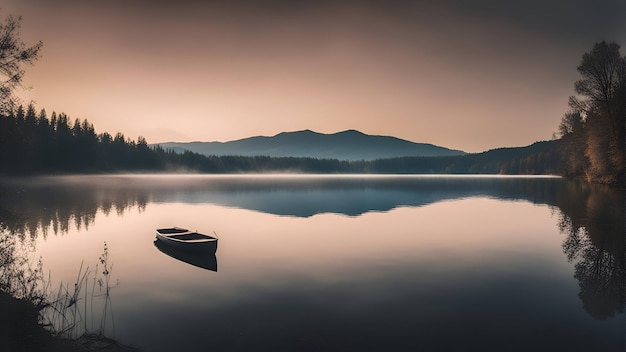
(349, 263)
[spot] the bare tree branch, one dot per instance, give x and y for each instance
(14, 54)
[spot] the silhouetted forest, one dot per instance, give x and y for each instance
(35, 143)
(32, 142)
(540, 158)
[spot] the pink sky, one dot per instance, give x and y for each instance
(465, 78)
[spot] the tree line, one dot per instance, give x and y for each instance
(34, 143)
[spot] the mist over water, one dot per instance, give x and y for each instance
(341, 262)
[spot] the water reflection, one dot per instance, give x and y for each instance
(591, 217)
(39, 204)
(204, 258)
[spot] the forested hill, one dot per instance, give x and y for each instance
(540, 158)
(346, 145)
(33, 143)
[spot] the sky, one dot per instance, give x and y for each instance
(468, 75)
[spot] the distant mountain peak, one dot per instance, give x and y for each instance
(350, 131)
(345, 145)
(307, 131)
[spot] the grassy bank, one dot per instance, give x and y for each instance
(20, 329)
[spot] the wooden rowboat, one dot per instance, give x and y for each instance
(184, 239)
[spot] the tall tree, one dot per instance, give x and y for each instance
(602, 106)
(603, 72)
(14, 54)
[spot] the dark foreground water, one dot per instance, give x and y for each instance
(337, 263)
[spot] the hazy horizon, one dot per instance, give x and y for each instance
(470, 78)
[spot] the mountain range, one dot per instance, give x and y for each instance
(346, 145)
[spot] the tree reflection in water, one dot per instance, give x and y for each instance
(592, 219)
(40, 205)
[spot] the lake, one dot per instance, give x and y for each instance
(335, 263)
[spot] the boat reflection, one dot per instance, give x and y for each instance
(204, 259)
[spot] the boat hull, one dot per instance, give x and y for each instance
(183, 239)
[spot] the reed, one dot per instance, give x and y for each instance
(76, 317)
(71, 314)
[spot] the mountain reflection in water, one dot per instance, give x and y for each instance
(300, 196)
